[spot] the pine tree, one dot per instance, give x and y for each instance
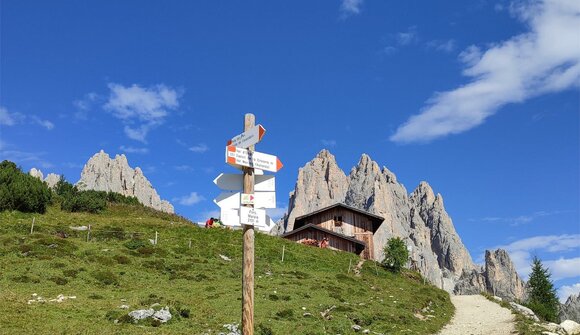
(396, 254)
(542, 299)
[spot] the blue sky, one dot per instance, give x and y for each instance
(479, 98)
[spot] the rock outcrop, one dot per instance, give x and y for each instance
(570, 310)
(419, 218)
(101, 173)
(320, 183)
(51, 179)
(501, 276)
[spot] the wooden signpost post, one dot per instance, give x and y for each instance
(248, 259)
(237, 208)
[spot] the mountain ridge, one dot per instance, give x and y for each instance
(418, 217)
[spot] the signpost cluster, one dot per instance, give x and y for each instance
(244, 200)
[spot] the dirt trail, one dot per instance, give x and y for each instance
(475, 315)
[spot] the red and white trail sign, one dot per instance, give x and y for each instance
(239, 157)
(248, 138)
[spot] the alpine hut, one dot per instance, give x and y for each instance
(341, 227)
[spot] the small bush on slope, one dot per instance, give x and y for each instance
(21, 191)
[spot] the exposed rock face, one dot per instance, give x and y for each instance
(501, 276)
(320, 183)
(571, 309)
(419, 218)
(101, 173)
(36, 173)
(51, 179)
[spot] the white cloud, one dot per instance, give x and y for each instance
(199, 148)
(6, 119)
(132, 150)
(189, 200)
(563, 267)
(329, 143)
(408, 37)
(43, 123)
(565, 291)
(12, 119)
(442, 45)
(546, 59)
(183, 168)
(139, 133)
(402, 39)
(141, 109)
(521, 219)
(20, 157)
(521, 252)
(84, 105)
(350, 7)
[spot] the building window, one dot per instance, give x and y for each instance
(338, 221)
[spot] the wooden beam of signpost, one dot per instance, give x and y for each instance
(248, 259)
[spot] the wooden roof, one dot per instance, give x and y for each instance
(324, 230)
(376, 220)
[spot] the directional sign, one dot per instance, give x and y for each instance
(235, 182)
(252, 216)
(248, 138)
(242, 157)
(233, 200)
(231, 218)
(228, 200)
(247, 199)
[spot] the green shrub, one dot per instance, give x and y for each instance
(75, 200)
(135, 244)
(59, 280)
(264, 330)
(84, 201)
(106, 277)
(122, 259)
(21, 191)
(118, 198)
(396, 254)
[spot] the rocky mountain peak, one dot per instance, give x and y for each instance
(501, 275)
(420, 219)
(389, 176)
(570, 310)
(320, 183)
(423, 195)
(51, 178)
(101, 173)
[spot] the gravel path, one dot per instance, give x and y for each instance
(475, 315)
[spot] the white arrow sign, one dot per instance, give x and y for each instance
(248, 138)
(231, 218)
(242, 157)
(233, 200)
(235, 182)
(252, 216)
(228, 200)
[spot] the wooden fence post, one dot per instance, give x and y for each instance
(32, 227)
(89, 234)
(283, 249)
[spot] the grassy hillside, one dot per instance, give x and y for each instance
(118, 266)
